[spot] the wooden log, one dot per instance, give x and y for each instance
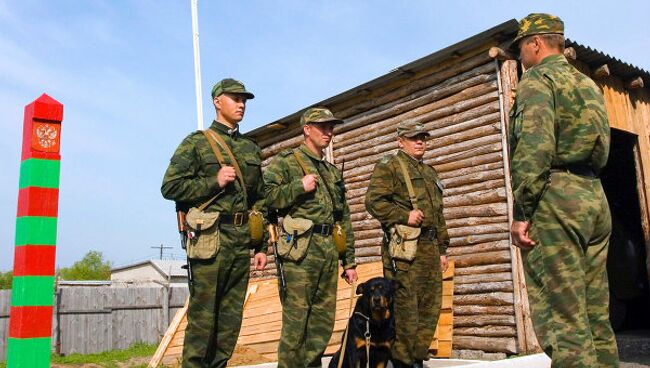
(476, 175)
(449, 169)
(498, 298)
(442, 129)
(367, 234)
(368, 251)
(367, 242)
(473, 221)
(479, 248)
(601, 72)
(489, 344)
(483, 287)
(475, 198)
(500, 54)
(464, 150)
(483, 277)
(570, 53)
(487, 331)
(476, 239)
(479, 229)
(492, 209)
(466, 135)
(472, 310)
(490, 268)
(365, 225)
(484, 320)
(500, 256)
(480, 186)
(635, 83)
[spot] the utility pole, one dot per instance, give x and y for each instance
(161, 247)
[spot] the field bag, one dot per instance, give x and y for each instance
(203, 232)
(403, 240)
(294, 240)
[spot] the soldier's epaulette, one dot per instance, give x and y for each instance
(286, 152)
(386, 159)
(249, 138)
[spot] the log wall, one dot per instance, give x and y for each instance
(458, 102)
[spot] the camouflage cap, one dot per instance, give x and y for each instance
(229, 85)
(410, 130)
(539, 23)
(318, 115)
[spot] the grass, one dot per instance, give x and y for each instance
(108, 359)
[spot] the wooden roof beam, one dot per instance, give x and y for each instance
(601, 72)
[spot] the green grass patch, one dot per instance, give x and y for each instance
(108, 359)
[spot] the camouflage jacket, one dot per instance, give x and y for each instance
(387, 198)
(285, 193)
(191, 177)
(558, 120)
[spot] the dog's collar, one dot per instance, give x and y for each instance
(362, 315)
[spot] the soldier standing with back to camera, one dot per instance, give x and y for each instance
(309, 193)
(559, 142)
(418, 301)
(202, 175)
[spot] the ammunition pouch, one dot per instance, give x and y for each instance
(295, 238)
(403, 242)
(203, 234)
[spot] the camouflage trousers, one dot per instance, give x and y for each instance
(309, 306)
(216, 304)
(566, 273)
(417, 303)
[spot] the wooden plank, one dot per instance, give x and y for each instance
(168, 337)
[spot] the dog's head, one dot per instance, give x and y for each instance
(377, 297)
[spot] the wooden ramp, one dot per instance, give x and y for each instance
(263, 320)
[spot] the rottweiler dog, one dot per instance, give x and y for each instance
(373, 316)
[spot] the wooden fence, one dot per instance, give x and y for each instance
(90, 319)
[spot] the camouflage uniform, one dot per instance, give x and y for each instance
(417, 304)
(219, 284)
(309, 305)
(559, 141)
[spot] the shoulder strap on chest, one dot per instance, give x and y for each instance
(409, 184)
(216, 138)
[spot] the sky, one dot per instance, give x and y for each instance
(124, 72)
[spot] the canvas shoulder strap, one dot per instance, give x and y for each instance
(409, 184)
(216, 138)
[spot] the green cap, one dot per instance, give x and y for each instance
(230, 85)
(539, 23)
(318, 115)
(410, 130)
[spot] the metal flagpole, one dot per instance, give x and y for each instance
(197, 63)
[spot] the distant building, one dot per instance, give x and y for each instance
(151, 271)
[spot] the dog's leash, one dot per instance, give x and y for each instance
(367, 336)
(353, 296)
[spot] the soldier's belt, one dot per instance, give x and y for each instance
(236, 219)
(428, 233)
(323, 229)
(580, 170)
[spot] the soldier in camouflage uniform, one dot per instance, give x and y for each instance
(559, 142)
(309, 304)
(418, 301)
(194, 175)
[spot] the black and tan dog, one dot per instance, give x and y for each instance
(373, 318)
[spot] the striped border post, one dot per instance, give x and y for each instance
(32, 294)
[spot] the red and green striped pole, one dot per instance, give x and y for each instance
(32, 292)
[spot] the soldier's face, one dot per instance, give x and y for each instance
(230, 108)
(414, 146)
(319, 134)
(528, 51)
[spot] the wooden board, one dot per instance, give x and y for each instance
(262, 321)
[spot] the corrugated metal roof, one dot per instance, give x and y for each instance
(595, 58)
(500, 33)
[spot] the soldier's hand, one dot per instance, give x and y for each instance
(415, 218)
(226, 175)
(259, 261)
(519, 232)
(351, 275)
(309, 182)
(444, 264)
